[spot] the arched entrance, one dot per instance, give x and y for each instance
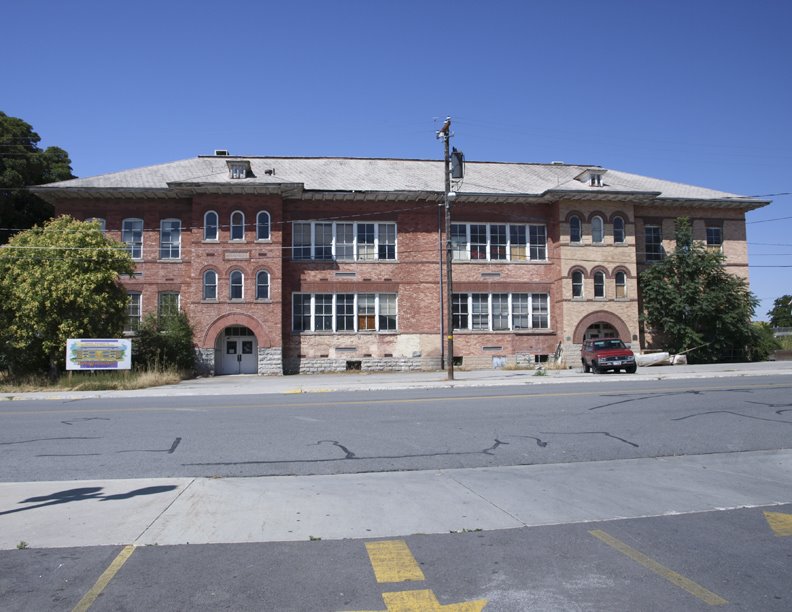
(600, 331)
(236, 351)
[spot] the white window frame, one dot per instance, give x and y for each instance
(163, 294)
(619, 220)
(133, 245)
(477, 312)
(259, 284)
(581, 284)
(232, 285)
(206, 236)
(484, 249)
(599, 284)
(170, 244)
(620, 283)
(134, 311)
(259, 225)
(100, 220)
(313, 250)
(579, 229)
(653, 256)
(205, 285)
(383, 304)
(597, 230)
(234, 226)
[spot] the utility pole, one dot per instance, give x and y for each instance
(445, 134)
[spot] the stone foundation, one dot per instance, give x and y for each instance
(270, 361)
(364, 364)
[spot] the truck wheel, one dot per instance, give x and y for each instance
(595, 367)
(586, 367)
(631, 369)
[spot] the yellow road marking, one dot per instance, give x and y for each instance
(365, 403)
(104, 579)
(425, 601)
(393, 562)
(780, 523)
(673, 577)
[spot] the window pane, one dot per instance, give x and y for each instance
(599, 284)
(540, 317)
(575, 230)
(618, 230)
(459, 311)
(323, 312)
(459, 245)
(714, 237)
(597, 230)
(365, 242)
(345, 241)
(478, 242)
(521, 309)
(387, 312)
(366, 312)
(654, 243)
(133, 312)
(301, 312)
(237, 226)
(577, 284)
(345, 312)
(301, 241)
(168, 304)
(387, 241)
(262, 285)
(518, 242)
(132, 236)
(210, 285)
(236, 285)
(497, 242)
(500, 311)
(263, 225)
(170, 239)
(323, 243)
(621, 285)
(538, 235)
(210, 226)
(480, 311)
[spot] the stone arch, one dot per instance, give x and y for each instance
(577, 268)
(236, 318)
(601, 316)
(602, 269)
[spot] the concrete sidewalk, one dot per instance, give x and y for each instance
(235, 510)
(356, 381)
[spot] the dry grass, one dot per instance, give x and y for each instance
(87, 381)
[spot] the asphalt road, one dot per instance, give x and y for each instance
(333, 433)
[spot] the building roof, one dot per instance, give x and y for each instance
(365, 178)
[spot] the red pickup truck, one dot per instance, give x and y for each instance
(610, 354)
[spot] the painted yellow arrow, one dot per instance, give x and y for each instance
(425, 601)
(780, 523)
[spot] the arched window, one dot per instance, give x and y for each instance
(599, 284)
(577, 284)
(575, 229)
(236, 284)
(597, 230)
(262, 285)
(210, 225)
(237, 225)
(263, 225)
(621, 284)
(618, 230)
(210, 285)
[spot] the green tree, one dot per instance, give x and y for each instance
(690, 301)
(781, 312)
(164, 342)
(58, 282)
(23, 163)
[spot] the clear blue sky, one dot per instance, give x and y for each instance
(696, 91)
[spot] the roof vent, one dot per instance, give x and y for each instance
(222, 152)
(557, 163)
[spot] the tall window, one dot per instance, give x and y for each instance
(498, 242)
(263, 225)
(170, 239)
(653, 238)
(350, 312)
(262, 285)
(575, 229)
(134, 311)
(714, 238)
(577, 284)
(167, 304)
(236, 285)
(597, 230)
(344, 241)
(599, 284)
(500, 311)
(210, 285)
(211, 222)
(618, 230)
(620, 279)
(237, 225)
(132, 236)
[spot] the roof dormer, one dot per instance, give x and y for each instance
(238, 168)
(592, 177)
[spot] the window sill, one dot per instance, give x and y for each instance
(519, 262)
(169, 261)
(263, 241)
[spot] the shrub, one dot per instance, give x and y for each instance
(164, 343)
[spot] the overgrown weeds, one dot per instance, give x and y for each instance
(90, 381)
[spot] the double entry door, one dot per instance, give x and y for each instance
(239, 356)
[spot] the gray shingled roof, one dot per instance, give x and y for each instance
(347, 175)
